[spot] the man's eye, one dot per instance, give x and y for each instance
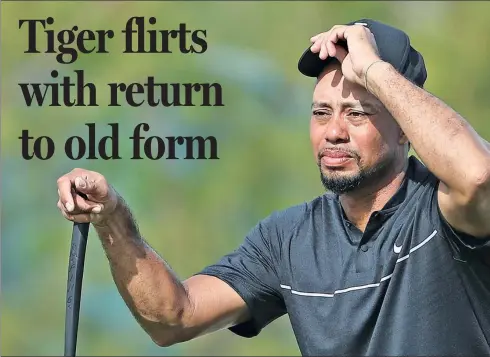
(319, 113)
(357, 114)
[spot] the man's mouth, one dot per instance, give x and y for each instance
(334, 158)
(336, 154)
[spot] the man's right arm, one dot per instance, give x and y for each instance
(169, 310)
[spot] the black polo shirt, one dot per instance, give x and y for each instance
(408, 285)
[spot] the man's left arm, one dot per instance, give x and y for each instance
(446, 143)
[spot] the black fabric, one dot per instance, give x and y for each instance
(393, 45)
(250, 270)
(407, 285)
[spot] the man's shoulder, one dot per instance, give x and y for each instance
(292, 216)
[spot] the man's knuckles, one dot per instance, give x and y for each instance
(85, 184)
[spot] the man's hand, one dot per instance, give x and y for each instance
(169, 310)
(363, 50)
(101, 199)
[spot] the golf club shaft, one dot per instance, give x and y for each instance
(74, 285)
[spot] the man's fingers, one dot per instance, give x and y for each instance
(324, 51)
(78, 203)
(60, 206)
(84, 196)
(316, 37)
(316, 46)
(64, 192)
(79, 218)
(76, 216)
(85, 185)
(331, 48)
(82, 205)
(333, 39)
(340, 53)
(325, 43)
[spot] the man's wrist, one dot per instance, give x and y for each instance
(116, 213)
(375, 73)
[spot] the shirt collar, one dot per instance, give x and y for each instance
(415, 173)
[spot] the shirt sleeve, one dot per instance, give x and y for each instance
(462, 240)
(251, 271)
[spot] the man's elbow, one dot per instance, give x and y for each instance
(476, 188)
(171, 338)
(172, 332)
(164, 341)
(166, 337)
(471, 206)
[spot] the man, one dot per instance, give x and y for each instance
(395, 260)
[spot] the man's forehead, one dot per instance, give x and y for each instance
(346, 103)
(332, 75)
(332, 89)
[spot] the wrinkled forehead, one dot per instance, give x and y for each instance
(332, 87)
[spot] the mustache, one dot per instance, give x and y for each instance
(351, 153)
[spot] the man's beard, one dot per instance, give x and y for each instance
(340, 184)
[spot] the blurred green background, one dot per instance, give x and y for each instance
(192, 212)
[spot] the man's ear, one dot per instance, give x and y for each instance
(403, 138)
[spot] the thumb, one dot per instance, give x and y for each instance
(84, 185)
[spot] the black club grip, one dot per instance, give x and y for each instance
(74, 285)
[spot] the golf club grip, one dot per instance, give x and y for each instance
(74, 285)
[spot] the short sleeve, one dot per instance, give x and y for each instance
(460, 238)
(251, 271)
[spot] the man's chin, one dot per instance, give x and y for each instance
(339, 171)
(340, 181)
(352, 176)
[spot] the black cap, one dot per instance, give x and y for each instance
(393, 46)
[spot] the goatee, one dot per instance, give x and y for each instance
(340, 184)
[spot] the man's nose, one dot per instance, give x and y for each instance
(336, 130)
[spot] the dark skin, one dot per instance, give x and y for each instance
(168, 309)
(173, 311)
(346, 117)
(443, 139)
(370, 125)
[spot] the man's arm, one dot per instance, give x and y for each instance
(169, 310)
(446, 143)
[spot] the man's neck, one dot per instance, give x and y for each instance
(359, 205)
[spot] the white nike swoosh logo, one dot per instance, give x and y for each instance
(397, 249)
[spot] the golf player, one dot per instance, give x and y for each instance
(394, 259)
